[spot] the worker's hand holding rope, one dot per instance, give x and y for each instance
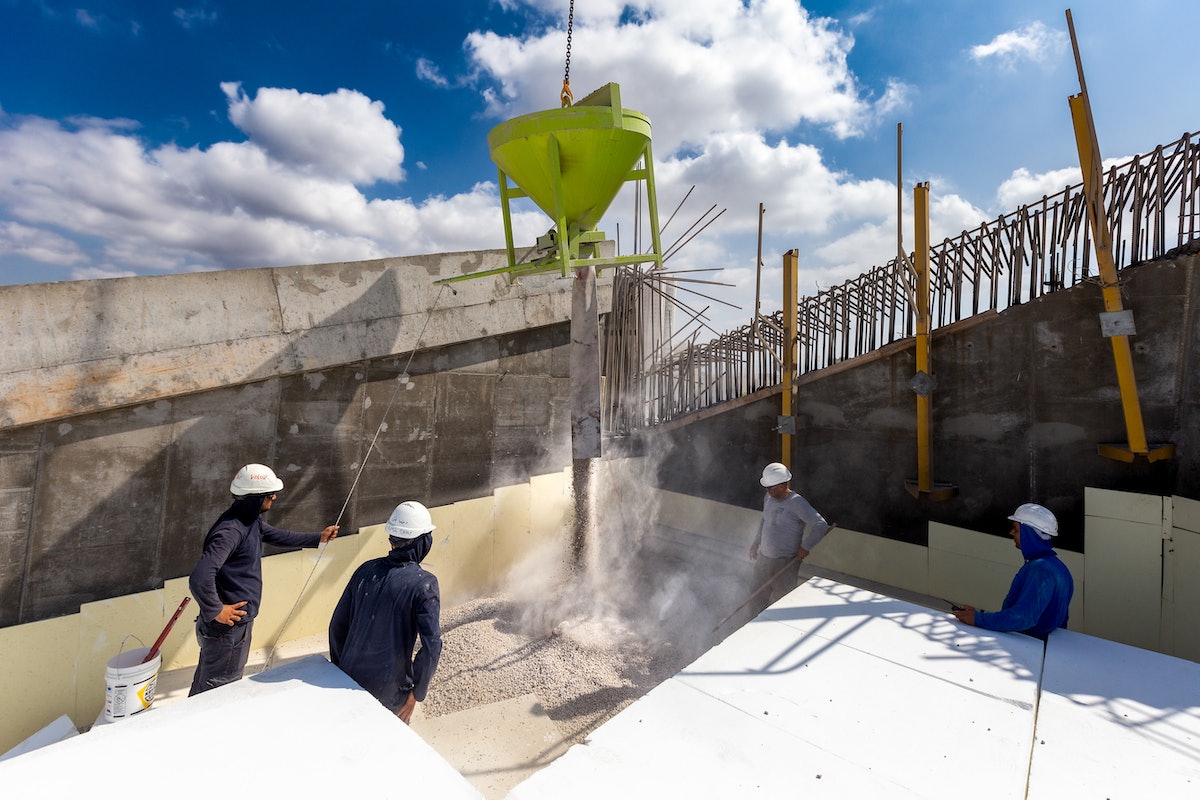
(329, 533)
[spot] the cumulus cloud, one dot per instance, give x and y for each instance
(696, 69)
(39, 244)
(1024, 186)
(289, 194)
(343, 135)
(1034, 42)
(318, 177)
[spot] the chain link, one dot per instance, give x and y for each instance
(570, 28)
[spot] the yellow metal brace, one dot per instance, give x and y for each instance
(1093, 182)
(923, 382)
(791, 299)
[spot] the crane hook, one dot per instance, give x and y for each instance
(565, 95)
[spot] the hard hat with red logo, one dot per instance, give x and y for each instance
(255, 479)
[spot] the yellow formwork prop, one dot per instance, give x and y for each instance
(1093, 182)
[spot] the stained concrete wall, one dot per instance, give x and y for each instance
(126, 406)
(1022, 400)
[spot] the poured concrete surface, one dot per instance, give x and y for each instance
(300, 730)
(496, 746)
(832, 692)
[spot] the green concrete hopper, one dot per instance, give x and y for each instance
(571, 162)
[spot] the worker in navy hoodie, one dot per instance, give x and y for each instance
(388, 603)
(1038, 600)
(227, 580)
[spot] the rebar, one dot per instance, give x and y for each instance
(1041, 248)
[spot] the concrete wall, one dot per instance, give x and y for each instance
(127, 405)
(56, 666)
(1022, 400)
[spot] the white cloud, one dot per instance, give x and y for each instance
(38, 244)
(1025, 187)
(268, 201)
(97, 273)
(193, 17)
(1034, 42)
(428, 72)
(86, 19)
(343, 135)
(274, 199)
(696, 69)
(730, 87)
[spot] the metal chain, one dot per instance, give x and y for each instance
(565, 95)
(570, 27)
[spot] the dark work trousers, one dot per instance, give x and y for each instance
(764, 568)
(223, 654)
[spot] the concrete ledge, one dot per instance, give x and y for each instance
(84, 346)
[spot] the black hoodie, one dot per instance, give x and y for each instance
(387, 604)
(230, 567)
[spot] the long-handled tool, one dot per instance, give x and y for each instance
(162, 637)
(758, 591)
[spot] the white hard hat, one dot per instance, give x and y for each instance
(1040, 518)
(774, 474)
(409, 520)
(255, 479)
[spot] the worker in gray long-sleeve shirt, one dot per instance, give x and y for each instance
(790, 529)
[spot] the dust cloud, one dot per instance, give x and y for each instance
(589, 639)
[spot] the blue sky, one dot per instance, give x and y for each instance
(144, 138)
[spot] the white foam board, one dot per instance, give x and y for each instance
(832, 692)
(1115, 721)
(56, 731)
(301, 730)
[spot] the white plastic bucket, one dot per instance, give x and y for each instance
(130, 683)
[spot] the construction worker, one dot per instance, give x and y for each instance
(389, 603)
(1040, 595)
(227, 580)
(790, 529)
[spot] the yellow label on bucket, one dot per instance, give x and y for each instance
(146, 693)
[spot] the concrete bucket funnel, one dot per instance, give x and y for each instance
(571, 162)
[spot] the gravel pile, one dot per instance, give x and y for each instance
(583, 665)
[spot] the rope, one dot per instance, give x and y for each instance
(401, 381)
(566, 96)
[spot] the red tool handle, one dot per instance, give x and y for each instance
(162, 636)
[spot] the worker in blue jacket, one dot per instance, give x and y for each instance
(1038, 600)
(227, 579)
(389, 603)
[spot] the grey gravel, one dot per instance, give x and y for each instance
(583, 667)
